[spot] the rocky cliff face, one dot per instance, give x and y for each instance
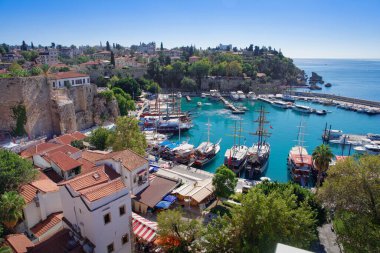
(51, 111)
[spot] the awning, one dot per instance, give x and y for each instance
(143, 228)
(170, 198)
(153, 168)
(163, 205)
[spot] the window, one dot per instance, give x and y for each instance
(125, 238)
(72, 82)
(122, 210)
(88, 80)
(110, 248)
(107, 218)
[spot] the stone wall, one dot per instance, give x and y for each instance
(52, 112)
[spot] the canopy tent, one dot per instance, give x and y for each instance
(163, 204)
(143, 228)
(170, 198)
(153, 169)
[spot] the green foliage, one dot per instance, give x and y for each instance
(45, 68)
(19, 115)
(177, 233)
(224, 182)
(14, 67)
(14, 171)
(112, 58)
(77, 144)
(127, 135)
(188, 84)
(30, 55)
(200, 69)
(352, 189)
(11, 204)
(99, 137)
(124, 100)
(63, 69)
(154, 71)
(101, 81)
(234, 68)
(107, 94)
(130, 86)
(322, 156)
(36, 71)
(5, 249)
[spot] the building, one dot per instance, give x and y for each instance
(132, 167)
(66, 139)
(67, 52)
(225, 47)
(149, 48)
(11, 57)
(68, 79)
(102, 55)
(194, 58)
(49, 56)
(42, 210)
(98, 207)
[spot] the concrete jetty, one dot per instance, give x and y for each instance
(230, 106)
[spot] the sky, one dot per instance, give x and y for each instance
(300, 28)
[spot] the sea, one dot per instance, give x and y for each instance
(352, 78)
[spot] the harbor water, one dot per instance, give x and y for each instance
(282, 126)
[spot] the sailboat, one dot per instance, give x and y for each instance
(258, 154)
(206, 151)
(300, 163)
(236, 156)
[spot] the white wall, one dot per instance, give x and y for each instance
(60, 83)
(40, 162)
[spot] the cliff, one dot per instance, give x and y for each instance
(52, 111)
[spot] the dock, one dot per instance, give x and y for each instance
(231, 106)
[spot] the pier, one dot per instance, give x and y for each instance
(230, 106)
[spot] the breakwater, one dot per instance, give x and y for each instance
(338, 98)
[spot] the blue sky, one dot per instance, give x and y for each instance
(301, 28)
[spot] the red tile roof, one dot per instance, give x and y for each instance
(88, 180)
(39, 148)
(68, 138)
(42, 183)
(66, 149)
(69, 74)
(101, 191)
(79, 135)
(128, 158)
(63, 161)
(19, 242)
(43, 227)
(87, 166)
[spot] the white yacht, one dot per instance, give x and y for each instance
(236, 157)
(251, 95)
(203, 95)
(179, 95)
(214, 95)
(302, 108)
(241, 95)
(281, 104)
(234, 95)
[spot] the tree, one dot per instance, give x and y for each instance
(200, 69)
(31, 45)
(36, 71)
(112, 58)
(322, 156)
(130, 86)
(162, 47)
(14, 171)
(24, 47)
(175, 233)
(45, 69)
(224, 182)
(5, 249)
(108, 48)
(99, 138)
(352, 191)
(11, 204)
(52, 45)
(234, 69)
(77, 144)
(124, 100)
(188, 84)
(154, 71)
(127, 135)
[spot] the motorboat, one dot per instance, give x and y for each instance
(236, 157)
(214, 95)
(320, 112)
(288, 98)
(373, 137)
(281, 104)
(179, 95)
(372, 149)
(251, 95)
(203, 95)
(199, 104)
(234, 95)
(241, 95)
(302, 108)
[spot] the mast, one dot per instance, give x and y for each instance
(261, 132)
(208, 131)
(301, 137)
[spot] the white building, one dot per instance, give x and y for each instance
(43, 209)
(225, 47)
(98, 206)
(67, 79)
(49, 56)
(132, 167)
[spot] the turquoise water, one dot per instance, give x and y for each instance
(351, 78)
(284, 129)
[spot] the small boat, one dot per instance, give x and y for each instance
(288, 98)
(179, 95)
(328, 85)
(360, 149)
(258, 154)
(199, 104)
(302, 108)
(241, 95)
(251, 95)
(332, 134)
(238, 112)
(373, 137)
(234, 95)
(214, 95)
(242, 108)
(320, 112)
(203, 95)
(372, 149)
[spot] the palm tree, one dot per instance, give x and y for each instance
(11, 205)
(322, 156)
(5, 249)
